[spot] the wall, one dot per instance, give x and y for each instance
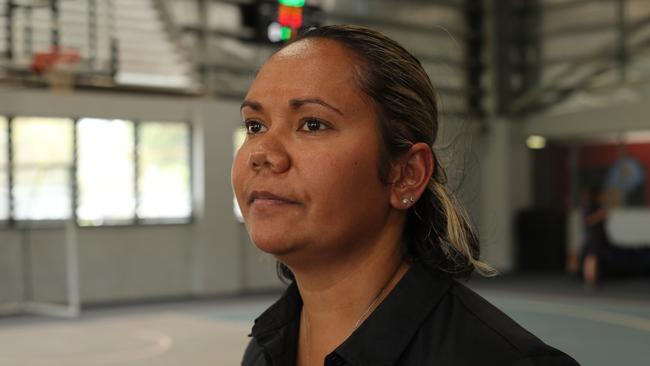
(207, 257)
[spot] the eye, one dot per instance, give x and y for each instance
(313, 125)
(253, 127)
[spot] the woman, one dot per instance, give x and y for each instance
(337, 179)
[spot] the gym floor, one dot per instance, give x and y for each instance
(603, 326)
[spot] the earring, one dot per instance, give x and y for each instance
(408, 201)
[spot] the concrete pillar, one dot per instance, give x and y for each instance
(505, 173)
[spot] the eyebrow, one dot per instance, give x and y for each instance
(297, 103)
(251, 104)
(294, 103)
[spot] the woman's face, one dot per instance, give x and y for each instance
(307, 176)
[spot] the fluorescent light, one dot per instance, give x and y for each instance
(535, 142)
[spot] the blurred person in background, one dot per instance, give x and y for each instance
(338, 180)
(601, 257)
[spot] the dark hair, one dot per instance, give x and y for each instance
(438, 230)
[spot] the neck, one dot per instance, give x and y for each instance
(338, 296)
(347, 287)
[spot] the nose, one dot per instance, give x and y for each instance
(270, 154)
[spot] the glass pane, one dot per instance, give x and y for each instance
(42, 140)
(42, 168)
(105, 171)
(164, 166)
(238, 138)
(4, 183)
(42, 193)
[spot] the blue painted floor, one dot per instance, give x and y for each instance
(606, 326)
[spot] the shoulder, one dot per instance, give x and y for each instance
(467, 329)
(498, 331)
(254, 354)
(490, 321)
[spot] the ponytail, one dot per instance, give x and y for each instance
(440, 233)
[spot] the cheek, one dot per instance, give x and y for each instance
(345, 179)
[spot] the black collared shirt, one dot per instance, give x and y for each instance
(427, 319)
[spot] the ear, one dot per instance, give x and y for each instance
(411, 175)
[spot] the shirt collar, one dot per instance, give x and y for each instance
(382, 338)
(276, 329)
(282, 312)
(379, 340)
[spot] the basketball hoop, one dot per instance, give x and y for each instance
(57, 67)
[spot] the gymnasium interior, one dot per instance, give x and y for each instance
(121, 242)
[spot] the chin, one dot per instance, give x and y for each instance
(276, 244)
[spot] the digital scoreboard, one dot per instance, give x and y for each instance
(281, 20)
(289, 20)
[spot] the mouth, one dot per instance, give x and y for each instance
(268, 198)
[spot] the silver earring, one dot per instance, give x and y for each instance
(408, 201)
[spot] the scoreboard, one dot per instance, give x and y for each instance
(281, 20)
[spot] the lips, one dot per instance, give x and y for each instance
(268, 198)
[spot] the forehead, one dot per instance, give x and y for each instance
(308, 67)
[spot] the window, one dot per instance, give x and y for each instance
(163, 167)
(4, 167)
(238, 138)
(105, 173)
(125, 172)
(42, 170)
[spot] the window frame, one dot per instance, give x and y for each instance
(8, 222)
(12, 223)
